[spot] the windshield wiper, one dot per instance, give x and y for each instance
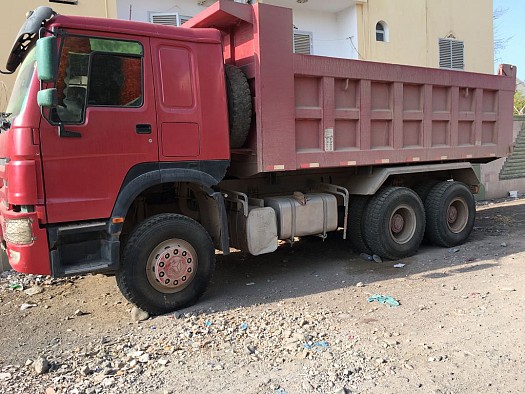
(5, 122)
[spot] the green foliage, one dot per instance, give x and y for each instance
(519, 103)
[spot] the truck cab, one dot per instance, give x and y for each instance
(121, 111)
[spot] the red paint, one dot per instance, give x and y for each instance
(375, 112)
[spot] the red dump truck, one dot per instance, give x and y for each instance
(138, 150)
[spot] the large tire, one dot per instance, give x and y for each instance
(167, 263)
(395, 223)
(356, 217)
(239, 105)
(423, 189)
(450, 210)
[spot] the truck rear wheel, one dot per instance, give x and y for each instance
(395, 223)
(450, 210)
(356, 218)
(167, 263)
(239, 105)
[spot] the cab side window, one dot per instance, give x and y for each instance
(97, 72)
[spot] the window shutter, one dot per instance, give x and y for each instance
(302, 42)
(451, 54)
(183, 19)
(171, 19)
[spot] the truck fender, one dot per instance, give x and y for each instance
(144, 176)
(369, 184)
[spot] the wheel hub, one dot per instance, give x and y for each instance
(397, 223)
(457, 215)
(172, 265)
(402, 224)
(452, 214)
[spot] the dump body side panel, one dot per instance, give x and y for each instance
(321, 112)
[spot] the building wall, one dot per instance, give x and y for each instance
(331, 30)
(415, 27)
(16, 11)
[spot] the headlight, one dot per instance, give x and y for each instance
(18, 231)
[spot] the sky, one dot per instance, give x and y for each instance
(510, 26)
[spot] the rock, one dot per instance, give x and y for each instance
(50, 390)
(41, 365)
(504, 244)
(78, 312)
(138, 314)
(108, 382)
(508, 289)
(85, 370)
(23, 307)
(5, 376)
(34, 290)
(360, 284)
(162, 361)
(144, 358)
(307, 387)
(28, 362)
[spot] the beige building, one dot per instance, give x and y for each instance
(14, 15)
(416, 30)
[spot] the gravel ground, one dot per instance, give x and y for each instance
(306, 319)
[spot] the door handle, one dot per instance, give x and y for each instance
(143, 129)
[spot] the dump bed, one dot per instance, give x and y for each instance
(320, 112)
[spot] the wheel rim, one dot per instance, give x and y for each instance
(172, 265)
(457, 215)
(402, 224)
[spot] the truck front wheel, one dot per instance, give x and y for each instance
(395, 223)
(167, 264)
(451, 211)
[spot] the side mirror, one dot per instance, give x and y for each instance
(47, 98)
(46, 58)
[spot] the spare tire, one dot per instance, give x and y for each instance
(239, 105)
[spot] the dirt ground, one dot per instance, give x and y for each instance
(295, 321)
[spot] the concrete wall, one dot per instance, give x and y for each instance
(14, 15)
(493, 187)
(415, 27)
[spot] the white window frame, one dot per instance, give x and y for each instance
(384, 31)
(302, 33)
(179, 19)
(451, 54)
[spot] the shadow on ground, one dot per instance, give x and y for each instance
(314, 266)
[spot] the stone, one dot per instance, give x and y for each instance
(360, 284)
(144, 358)
(5, 376)
(23, 307)
(34, 290)
(78, 312)
(138, 314)
(85, 370)
(41, 365)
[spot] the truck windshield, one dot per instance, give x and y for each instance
(23, 82)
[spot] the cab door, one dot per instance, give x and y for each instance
(104, 125)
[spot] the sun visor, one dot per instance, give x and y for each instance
(26, 36)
